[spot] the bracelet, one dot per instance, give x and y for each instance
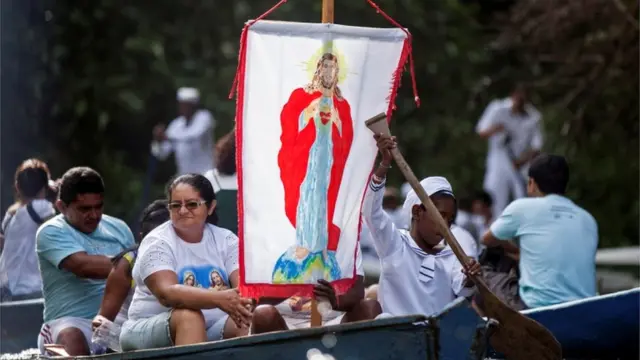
(377, 179)
(384, 166)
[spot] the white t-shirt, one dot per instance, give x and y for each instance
(19, 262)
(412, 281)
(192, 143)
(222, 182)
(207, 264)
(523, 129)
(299, 307)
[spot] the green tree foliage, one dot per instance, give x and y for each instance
(85, 81)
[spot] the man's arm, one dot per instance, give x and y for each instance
(383, 231)
(60, 249)
(506, 228)
(510, 248)
(489, 124)
(353, 296)
(202, 122)
(87, 266)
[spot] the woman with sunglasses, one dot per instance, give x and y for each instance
(164, 311)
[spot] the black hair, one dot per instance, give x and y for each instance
(77, 181)
(551, 173)
(227, 155)
(153, 215)
(202, 185)
(484, 197)
(31, 177)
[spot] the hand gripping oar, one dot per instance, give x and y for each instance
(517, 336)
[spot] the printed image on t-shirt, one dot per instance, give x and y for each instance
(206, 277)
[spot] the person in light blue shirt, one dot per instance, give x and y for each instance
(74, 250)
(557, 238)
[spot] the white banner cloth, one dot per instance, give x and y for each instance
(304, 152)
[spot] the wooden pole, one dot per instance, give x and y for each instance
(327, 18)
(327, 11)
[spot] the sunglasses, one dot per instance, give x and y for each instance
(189, 205)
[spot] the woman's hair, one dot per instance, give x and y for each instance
(154, 215)
(226, 147)
(202, 185)
(31, 177)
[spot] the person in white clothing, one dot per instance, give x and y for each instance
(225, 182)
(512, 127)
(19, 273)
(419, 274)
(189, 136)
(185, 275)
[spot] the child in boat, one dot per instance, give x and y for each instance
(120, 285)
(165, 309)
(295, 312)
(419, 275)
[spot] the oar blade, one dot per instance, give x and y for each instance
(518, 337)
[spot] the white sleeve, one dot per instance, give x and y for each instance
(384, 235)
(156, 256)
(43, 208)
(202, 122)
(466, 241)
(489, 117)
(458, 280)
(161, 149)
(536, 138)
(359, 266)
(231, 262)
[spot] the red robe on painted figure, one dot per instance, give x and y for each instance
(293, 157)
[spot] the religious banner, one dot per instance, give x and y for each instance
(304, 153)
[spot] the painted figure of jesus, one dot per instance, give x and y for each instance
(317, 132)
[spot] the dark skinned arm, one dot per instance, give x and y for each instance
(87, 266)
(510, 248)
(116, 290)
(344, 302)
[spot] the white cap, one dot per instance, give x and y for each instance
(186, 94)
(431, 185)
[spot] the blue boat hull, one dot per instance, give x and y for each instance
(602, 327)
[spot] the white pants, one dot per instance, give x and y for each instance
(303, 323)
(50, 330)
(501, 183)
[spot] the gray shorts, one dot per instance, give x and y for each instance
(154, 332)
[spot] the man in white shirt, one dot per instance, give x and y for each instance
(512, 127)
(420, 275)
(190, 136)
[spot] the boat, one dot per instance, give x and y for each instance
(451, 334)
(20, 323)
(600, 327)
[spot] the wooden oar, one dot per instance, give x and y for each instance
(516, 336)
